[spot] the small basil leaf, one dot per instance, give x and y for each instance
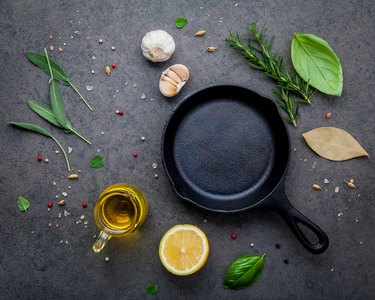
(317, 63)
(22, 203)
(152, 289)
(32, 127)
(244, 271)
(181, 22)
(97, 162)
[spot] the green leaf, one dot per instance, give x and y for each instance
(181, 22)
(244, 271)
(44, 111)
(317, 63)
(41, 62)
(23, 203)
(152, 289)
(40, 130)
(32, 127)
(58, 105)
(97, 162)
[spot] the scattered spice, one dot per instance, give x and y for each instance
(73, 176)
(337, 189)
(92, 71)
(100, 41)
(135, 154)
(119, 112)
(251, 244)
(211, 49)
(49, 225)
(60, 49)
(233, 236)
(49, 204)
(84, 204)
(156, 176)
(200, 33)
(51, 47)
(278, 246)
(50, 37)
(46, 160)
(106, 259)
(326, 180)
(143, 138)
(113, 48)
(61, 202)
(107, 70)
(316, 187)
(328, 115)
(40, 158)
(89, 88)
(113, 66)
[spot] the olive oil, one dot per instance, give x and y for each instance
(120, 209)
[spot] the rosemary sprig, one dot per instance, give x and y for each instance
(261, 57)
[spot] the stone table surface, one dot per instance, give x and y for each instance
(38, 262)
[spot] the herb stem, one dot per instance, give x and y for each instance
(80, 95)
(63, 151)
(80, 136)
(49, 64)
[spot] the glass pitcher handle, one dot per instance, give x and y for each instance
(101, 241)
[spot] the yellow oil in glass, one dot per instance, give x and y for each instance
(121, 209)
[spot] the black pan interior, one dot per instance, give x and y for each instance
(225, 148)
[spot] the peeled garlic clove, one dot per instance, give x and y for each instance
(158, 45)
(173, 79)
(181, 70)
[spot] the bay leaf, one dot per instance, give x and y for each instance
(333, 143)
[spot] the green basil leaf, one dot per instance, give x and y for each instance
(244, 271)
(32, 127)
(152, 289)
(317, 63)
(181, 22)
(22, 203)
(44, 111)
(97, 162)
(41, 62)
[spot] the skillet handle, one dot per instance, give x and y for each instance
(293, 218)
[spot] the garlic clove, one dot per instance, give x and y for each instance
(173, 79)
(181, 70)
(167, 89)
(173, 76)
(157, 45)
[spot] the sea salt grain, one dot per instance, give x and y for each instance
(337, 189)
(70, 149)
(89, 88)
(326, 180)
(154, 165)
(143, 96)
(64, 194)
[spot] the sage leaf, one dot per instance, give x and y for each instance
(97, 162)
(40, 130)
(41, 62)
(152, 289)
(244, 271)
(44, 111)
(334, 143)
(317, 63)
(23, 204)
(181, 22)
(58, 104)
(58, 73)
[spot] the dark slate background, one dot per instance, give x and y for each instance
(35, 265)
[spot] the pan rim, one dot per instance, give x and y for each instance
(172, 182)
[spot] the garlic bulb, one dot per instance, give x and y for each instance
(157, 45)
(173, 79)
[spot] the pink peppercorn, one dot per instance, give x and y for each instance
(40, 158)
(119, 112)
(233, 236)
(84, 204)
(113, 66)
(49, 204)
(135, 154)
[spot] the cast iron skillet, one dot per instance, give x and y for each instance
(226, 149)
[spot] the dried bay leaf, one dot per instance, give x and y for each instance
(334, 143)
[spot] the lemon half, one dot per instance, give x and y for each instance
(184, 249)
